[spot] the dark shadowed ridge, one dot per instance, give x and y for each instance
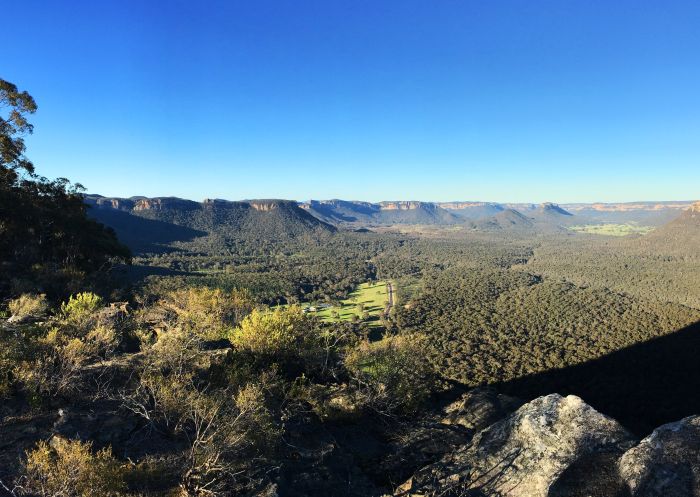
(155, 224)
(508, 219)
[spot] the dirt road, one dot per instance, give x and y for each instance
(390, 302)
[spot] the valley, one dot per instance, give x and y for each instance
(373, 329)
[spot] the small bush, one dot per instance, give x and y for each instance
(81, 307)
(68, 468)
(392, 374)
(52, 363)
(28, 305)
(283, 334)
(211, 312)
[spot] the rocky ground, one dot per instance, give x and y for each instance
(558, 446)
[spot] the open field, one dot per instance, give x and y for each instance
(612, 229)
(369, 298)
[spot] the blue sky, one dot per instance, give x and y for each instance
(526, 100)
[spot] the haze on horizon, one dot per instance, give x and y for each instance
(397, 100)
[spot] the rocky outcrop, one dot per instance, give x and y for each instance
(545, 448)
(406, 205)
(552, 209)
(666, 463)
(479, 408)
(163, 203)
(455, 206)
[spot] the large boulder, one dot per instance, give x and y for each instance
(666, 463)
(547, 448)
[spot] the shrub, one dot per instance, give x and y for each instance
(392, 374)
(212, 313)
(283, 334)
(28, 305)
(225, 429)
(81, 307)
(51, 363)
(281, 331)
(68, 468)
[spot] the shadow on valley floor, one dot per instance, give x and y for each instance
(642, 386)
(138, 272)
(143, 235)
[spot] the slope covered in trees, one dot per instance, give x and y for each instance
(211, 225)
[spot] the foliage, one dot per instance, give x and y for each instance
(69, 468)
(282, 334)
(212, 312)
(46, 238)
(392, 373)
(221, 422)
(13, 127)
(28, 305)
(488, 326)
(49, 358)
(52, 363)
(81, 306)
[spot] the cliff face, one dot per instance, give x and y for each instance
(164, 203)
(456, 206)
(406, 205)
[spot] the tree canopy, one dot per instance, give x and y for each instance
(46, 239)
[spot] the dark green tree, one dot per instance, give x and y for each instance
(47, 242)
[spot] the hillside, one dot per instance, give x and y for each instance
(382, 213)
(680, 236)
(508, 219)
(342, 211)
(472, 210)
(151, 224)
(411, 212)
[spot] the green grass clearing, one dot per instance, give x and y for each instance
(612, 229)
(369, 300)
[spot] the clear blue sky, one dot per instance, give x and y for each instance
(434, 100)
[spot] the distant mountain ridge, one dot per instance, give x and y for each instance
(149, 224)
(276, 219)
(387, 212)
(654, 213)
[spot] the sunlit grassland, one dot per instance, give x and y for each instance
(367, 302)
(612, 229)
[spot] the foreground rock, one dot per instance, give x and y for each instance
(549, 447)
(666, 463)
(480, 408)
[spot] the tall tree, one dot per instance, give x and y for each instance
(47, 242)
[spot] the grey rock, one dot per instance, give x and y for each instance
(540, 449)
(666, 463)
(479, 408)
